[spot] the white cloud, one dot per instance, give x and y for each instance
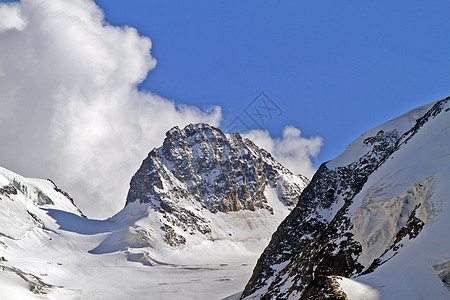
(292, 150)
(69, 104)
(70, 109)
(10, 17)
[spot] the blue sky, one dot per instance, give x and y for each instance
(335, 68)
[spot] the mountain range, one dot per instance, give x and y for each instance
(205, 205)
(201, 207)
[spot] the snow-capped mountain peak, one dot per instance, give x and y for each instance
(200, 174)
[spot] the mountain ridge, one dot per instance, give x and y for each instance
(315, 242)
(204, 235)
(372, 222)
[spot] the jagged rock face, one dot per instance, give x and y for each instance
(346, 226)
(222, 172)
(210, 170)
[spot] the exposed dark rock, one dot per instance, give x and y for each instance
(8, 190)
(171, 237)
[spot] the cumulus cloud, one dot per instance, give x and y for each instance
(291, 150)
(70, 108)
(10, 17)
(69, 104)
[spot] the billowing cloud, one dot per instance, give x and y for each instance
(291, 150)
(10, 17)
(70, 109)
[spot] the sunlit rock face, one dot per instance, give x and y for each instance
(223, 172)
(200, 168)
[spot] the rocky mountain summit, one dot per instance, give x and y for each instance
(200, 173)
(222, 172)
(377, 214)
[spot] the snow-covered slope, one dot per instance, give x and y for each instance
(22, 201)
(24, 207)
(200, 210)
(373, 222)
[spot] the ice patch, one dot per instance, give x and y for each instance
(377, 221)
